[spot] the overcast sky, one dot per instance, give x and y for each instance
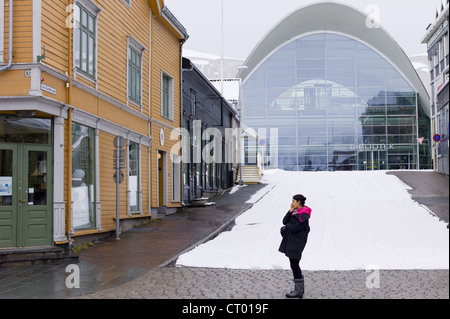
(247, 21)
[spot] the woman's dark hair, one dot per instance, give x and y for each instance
(300, 198)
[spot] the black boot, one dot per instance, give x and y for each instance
(298, 290)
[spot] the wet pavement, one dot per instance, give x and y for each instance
(115, 262)
(429, 189)
(140, 265)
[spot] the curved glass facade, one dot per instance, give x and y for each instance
(334, 104)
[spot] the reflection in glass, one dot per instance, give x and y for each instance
(6, 177)
(83, 176)
(133, 176)
(37, 178)
(342, 96)
(15, 129)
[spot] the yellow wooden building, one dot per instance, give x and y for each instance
(76, 77)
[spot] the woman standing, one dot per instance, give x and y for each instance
(295, 235)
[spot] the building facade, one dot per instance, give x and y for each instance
(78, 80)
(436, 38)
(331, 91)
(210, 141)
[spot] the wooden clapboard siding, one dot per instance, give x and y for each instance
(144, 180)
(107, 184)
(14, 83)
(156, 146)
(54, 34)
(115, 23)
(166, 57)
(108, 187)
(22, 31)
(166, 52)
(60, 86)
(66, 168)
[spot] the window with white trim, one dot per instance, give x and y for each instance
(134, 183)
(167, 96)
(85, 38)
(176, 178)
(2, 30)
(135, 52)
(83, 177)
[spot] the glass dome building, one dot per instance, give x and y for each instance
(326, 90)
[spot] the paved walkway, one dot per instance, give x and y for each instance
(429, 188)
(129, 268)
(204, 283)
(115, 262)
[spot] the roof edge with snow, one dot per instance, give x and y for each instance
(341, 19)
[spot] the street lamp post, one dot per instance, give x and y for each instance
(240, 105)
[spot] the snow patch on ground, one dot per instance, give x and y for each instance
(360, 220)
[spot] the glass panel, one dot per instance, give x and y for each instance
(311, 63)
(77, 47)
(91, 56)
(15, 129)
(340, 93)
(84, 16)
(84, 51)
(37, 178)
(91, 23)
(6, 181)
(165, 100)
(133, 176)
(83, 176)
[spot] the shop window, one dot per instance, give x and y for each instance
(134, 187)
(15, 129)
(83, 176)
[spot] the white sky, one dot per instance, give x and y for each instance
(247, 21)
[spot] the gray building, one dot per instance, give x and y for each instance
(338, 92)
(210, 125)
(437, 38)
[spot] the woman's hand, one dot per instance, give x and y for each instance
(292, 208)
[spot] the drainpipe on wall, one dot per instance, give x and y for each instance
(69, 134)
(10, 44)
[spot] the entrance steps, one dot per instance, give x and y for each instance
(32, 255)
(250, 174)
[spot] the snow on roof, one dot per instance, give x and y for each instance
(230, 88)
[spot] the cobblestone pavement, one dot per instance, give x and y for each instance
(123, 270)
(207, 283)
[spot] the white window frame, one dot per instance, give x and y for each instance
(92, 122)
(139, 48)
(127, 3)
(445, 43)
(94, 200)
(2, 31)
(170, 97)
(139, 181)
(176, 178)
(94, 10)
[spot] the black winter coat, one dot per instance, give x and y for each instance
(296, 235)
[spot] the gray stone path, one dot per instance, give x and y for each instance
(207, 283)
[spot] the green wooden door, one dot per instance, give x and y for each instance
(26, 195)
(8, 195)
